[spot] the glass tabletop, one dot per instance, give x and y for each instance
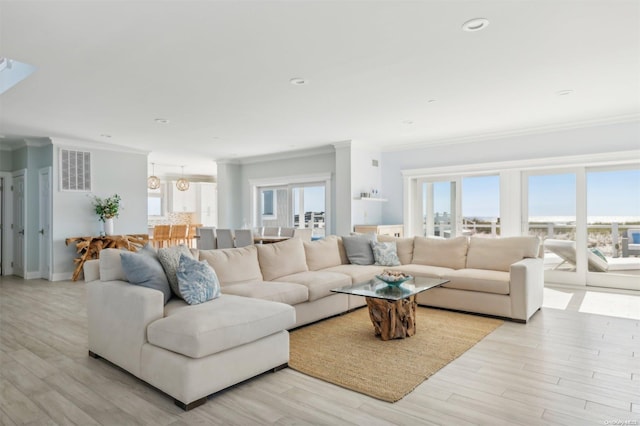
(381, 290)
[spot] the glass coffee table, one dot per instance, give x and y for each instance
(392, 307)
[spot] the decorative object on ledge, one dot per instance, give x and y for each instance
(107, 209)
(89, 247)
(153, 181)
(182, 184)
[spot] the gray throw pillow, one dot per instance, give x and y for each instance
(169, 257)
(197, 281)
(358, 248)
(144, 269)
(385, 254)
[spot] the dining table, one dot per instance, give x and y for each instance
(269, 239)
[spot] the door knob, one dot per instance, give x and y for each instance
(41, 231)
(21, 232)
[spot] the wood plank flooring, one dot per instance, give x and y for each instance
(564, 367)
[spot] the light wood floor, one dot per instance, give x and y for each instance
(564, 367)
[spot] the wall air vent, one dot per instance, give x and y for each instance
(75, 170)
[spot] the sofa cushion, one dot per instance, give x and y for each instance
(111, 265)
(319, 283)
(144, 269)
(323, 253)
(423, 270)
(404, 247)
(233, 266)
(385, 254)
(223, 323)
(197, 281)
(448, 253)
(276, 291)
(499, 254)
(478, 280)
(344, 259)
(169, 257)
(280, 259)
(358, 273)
(358, 248)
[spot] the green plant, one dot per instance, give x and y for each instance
(108, 207)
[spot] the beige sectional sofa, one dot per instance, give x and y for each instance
(191, 351)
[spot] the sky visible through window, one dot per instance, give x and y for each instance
(611, 196)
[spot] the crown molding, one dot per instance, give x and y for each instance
(15, 144)
(619, 119)
(96, 146)
(286, 155)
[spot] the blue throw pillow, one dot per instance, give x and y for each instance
(197, 281)
(635, 237)
(385, 254)
(144, 269)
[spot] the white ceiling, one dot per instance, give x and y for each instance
(220, 71)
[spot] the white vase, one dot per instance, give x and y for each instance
(108, 226)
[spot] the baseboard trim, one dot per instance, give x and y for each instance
(32, 275)
(61, 276)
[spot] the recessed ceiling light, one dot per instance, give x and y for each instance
(408, 122)
(104, 135)
(564, 92)
(475, 24)
(430, 101)
(298, 81)
(161, 120)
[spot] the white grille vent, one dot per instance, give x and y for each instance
(75, 170)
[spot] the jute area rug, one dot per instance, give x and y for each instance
(343, 350)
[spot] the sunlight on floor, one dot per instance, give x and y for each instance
(615, 305)
(593, 302)
(556, 299)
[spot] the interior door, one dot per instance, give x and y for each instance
(19, 199)
(44, 186)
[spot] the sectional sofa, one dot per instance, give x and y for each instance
(192, 351)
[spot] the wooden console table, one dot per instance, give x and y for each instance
(89, 247)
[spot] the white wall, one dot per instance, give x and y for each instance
(587, 140)
(113, 172)
(364, 178)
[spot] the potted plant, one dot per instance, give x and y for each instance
(107, 209)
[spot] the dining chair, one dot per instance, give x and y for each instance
(271, 231)
(161, 235)
(303, 233)
(287, 232)
(207, 240)
(224, 238)
(178, 234)
(191, 234)
(244, 237)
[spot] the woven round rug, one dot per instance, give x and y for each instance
(344, 350)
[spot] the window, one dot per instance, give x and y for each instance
(155, 201)
(268, 204)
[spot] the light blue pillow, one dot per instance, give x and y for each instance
(385, 254)
(169, 257)
(197, 281)
(358, 248)
(635, 237)
(144, 269)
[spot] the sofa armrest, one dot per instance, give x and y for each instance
(527, 287)
(118, 314)
(91, 270)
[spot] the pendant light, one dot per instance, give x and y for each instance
(182, 184)
(153, 181)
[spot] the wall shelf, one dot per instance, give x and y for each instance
(371, 199)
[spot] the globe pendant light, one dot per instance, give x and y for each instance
(153, 181)
(182, 184)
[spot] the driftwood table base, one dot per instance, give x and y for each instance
(89, 247)
(393, 319)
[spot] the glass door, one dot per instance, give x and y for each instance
(309, 208)
(613, 227)
(440, 207)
